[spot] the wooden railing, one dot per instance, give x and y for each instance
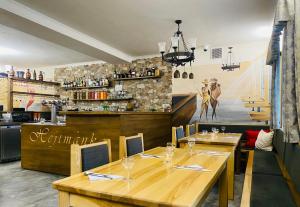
(184, 110)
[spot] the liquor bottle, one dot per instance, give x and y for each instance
(148, 72)
(133, 72)
(34, 75)
(115, 74)
(28, 74)
(41, 77)
(75, 95)
(153, 71)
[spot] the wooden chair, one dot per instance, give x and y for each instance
(129, 146)
(191, 129)
(86, 157)
(177, 133)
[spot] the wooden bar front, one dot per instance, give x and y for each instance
(46, 147)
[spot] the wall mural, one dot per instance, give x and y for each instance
(29, 101)
(239, 96)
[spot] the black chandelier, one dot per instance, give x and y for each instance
(178, 53)
(229, 66)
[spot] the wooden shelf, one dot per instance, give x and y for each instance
(35, 94)
(137, 78)
(35, 81)
(111, 99)
(87, 87)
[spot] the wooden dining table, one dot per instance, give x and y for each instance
(226, 142)
(152, 183)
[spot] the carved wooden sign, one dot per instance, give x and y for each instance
(46, 137)
(47, 148)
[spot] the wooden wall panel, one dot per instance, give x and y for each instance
(156, 128)
(4, 94)
(47, 148)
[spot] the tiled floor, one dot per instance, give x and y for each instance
(25, 188)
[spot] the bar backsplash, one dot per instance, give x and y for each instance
(148, 94)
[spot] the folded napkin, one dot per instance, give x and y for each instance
(212, 153)
(98, 176)
(149, 156)
(192, 167)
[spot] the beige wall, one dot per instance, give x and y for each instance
(252, 79)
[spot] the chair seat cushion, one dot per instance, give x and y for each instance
(270, 190)
(265, 163)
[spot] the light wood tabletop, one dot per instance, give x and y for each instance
(211, 138)
(255, 105)
(220, 142)
(153, 182)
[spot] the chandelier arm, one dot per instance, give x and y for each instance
(184, 44)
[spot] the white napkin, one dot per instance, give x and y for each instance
(98, 176)
(149, 156)
(212, 153)
(192, 167)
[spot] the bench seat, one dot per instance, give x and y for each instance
(270, 190)
(265, 163)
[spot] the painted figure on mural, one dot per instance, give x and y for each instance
(215, 92)
(205, 95)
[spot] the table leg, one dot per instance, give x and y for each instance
(230, 173)
(223, 189)
(63, 199)
(238, 158)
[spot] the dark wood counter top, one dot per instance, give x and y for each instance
(3, 123)
(44, 124)
(99, 113)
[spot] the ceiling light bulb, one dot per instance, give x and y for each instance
(162, 46)
(174, 41)
(192, 42)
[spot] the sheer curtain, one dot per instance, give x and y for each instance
(286, 13)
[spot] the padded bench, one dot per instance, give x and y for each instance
(268, 179)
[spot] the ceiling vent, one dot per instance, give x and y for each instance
(216, 53)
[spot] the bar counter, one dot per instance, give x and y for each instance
(46, 147)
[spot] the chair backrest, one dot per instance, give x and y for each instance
(132, 145)
(177, 133)
(191, 129)
(86, 157)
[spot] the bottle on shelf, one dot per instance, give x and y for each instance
(153, 71)
(133, 73)
(28, 74)
(12, 72)
(115, 74)
(75, 95)
(34, 75)
(41, 76)
(149, 72)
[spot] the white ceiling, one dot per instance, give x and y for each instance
(28, 51)
(135, 26)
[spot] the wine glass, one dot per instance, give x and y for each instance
(169, 153)
(191, 143)
(204, 132)
(170, 147)
(128, 164)
(223, 129)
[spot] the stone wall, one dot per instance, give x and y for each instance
(148, 94)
